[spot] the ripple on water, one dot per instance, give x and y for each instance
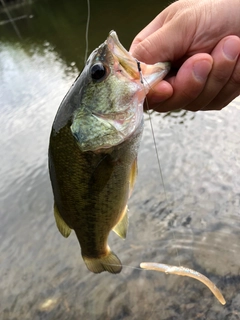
(192, 220)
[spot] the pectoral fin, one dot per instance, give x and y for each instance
(121, 228)
(61, 224)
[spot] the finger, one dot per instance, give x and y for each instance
(230, 91)
(159, 93)
(188, 83)
(153, 26)
(165, 44)
(225, 56)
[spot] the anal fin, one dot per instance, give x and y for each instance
(61, 224)
(121, 227)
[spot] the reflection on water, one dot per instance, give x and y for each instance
(42, 274)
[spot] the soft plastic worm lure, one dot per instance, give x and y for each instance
(186, 272)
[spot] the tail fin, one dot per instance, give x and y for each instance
(109, 263)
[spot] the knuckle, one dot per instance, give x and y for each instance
(235, 78)
(136, 41)
(222, 100)
(217, 107)
(221, 76)
(147, 48)
(144, 51)
(195, 105)
(192, 108)
(234, 81)
(190, 93)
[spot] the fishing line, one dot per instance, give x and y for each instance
(85, 59)
(11, 19)
(151, 125)
(124, 266)
(156, 150)
(87, 29)
(160, 170)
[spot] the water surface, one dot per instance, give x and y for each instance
(194, 223)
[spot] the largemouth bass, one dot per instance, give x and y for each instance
(93, 149)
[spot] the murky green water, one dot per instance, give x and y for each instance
(42, 274)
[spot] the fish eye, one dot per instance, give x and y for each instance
(98, 72)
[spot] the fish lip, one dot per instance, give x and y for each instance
(112, 41)
(136, 70)
(125, 59)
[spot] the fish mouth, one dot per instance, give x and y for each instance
(124, 58)
(97, 125)
(148, 75)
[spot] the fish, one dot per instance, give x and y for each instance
(93, 149)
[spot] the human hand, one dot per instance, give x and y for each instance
(202, 41)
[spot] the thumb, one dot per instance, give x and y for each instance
(167, 43)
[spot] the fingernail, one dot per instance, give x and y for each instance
(230, 49)
(201, 69)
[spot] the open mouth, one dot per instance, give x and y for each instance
(124, 58)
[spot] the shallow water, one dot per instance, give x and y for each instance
(42, 274)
